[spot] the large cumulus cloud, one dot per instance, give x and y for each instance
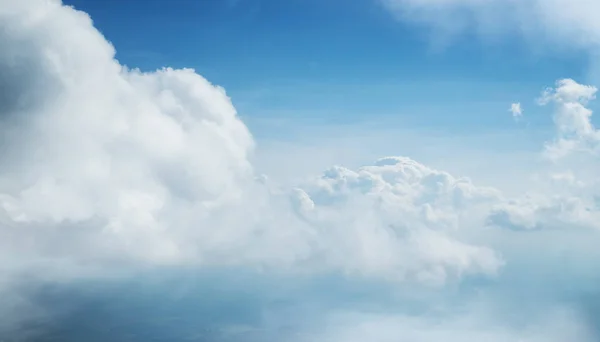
(106, 163)
(99, 155)
(106, 170)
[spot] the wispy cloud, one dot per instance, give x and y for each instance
(565, 22)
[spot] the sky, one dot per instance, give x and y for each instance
(349, 60)
(294, 67)
(335, 171)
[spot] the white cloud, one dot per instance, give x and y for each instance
(566, 91)
(575, 131)
(107, 166)
(398, 218)
(114, 151)
(516, 110)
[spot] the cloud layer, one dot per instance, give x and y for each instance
(107, 171)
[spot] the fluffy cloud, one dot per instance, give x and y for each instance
(113, 152)
(400, 216)
(575, 131)
(108, 164)
(105, 168)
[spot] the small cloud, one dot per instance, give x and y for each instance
(516, 110)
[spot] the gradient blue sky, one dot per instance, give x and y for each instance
(345, 82)
(336, 61)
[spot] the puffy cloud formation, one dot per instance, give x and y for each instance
(575, 131)
(98, 157)
(107, 170)
(106, 164)
(569, 22)
(399, 216)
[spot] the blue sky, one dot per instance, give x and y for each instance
(335, 60)
(311, 72)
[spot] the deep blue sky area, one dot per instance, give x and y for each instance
(331, 59)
